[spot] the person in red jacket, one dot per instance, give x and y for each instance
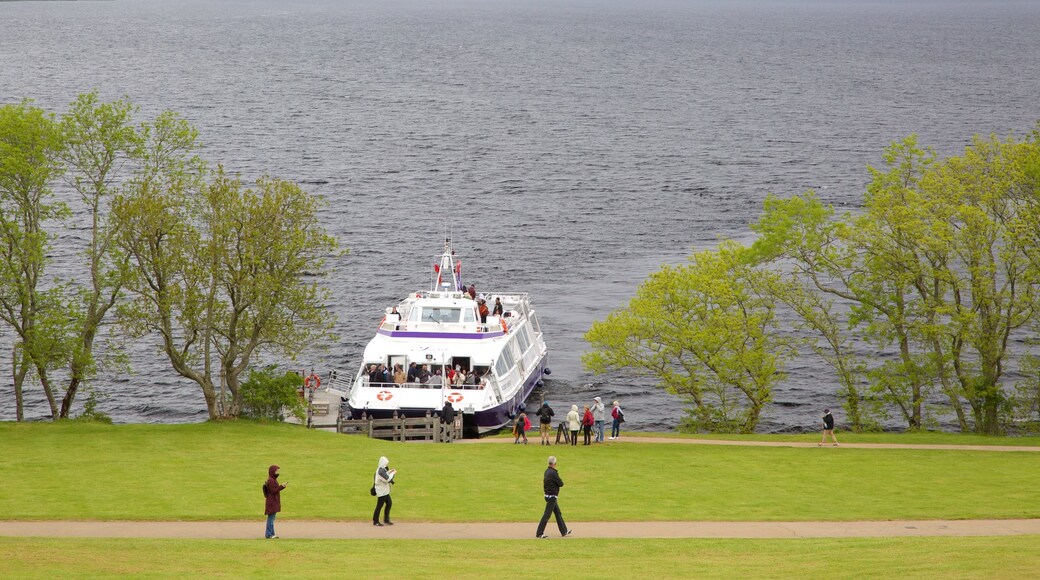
(586, 425)
(273, 496)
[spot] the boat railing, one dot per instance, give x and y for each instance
(430, 385)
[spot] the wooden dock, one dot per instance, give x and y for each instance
(428, 428)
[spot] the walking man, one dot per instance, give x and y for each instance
(551, 484)
(828, 428)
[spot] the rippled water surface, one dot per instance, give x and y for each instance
(571, 147)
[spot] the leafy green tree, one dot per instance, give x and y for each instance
(30, 145)
(935, 269)
(220, 274)
(102, 153)
(703, 331)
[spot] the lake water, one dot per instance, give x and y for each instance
(570, 147)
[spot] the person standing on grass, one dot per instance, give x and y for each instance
(545, 417)
(551, 484)
(272, 499)
(586, 424)
(619, 416)
(828, 428)
(599, 416)
(573, 423)
(383, 479)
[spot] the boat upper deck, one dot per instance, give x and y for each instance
(455, 315)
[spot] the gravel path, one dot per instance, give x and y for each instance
(237, 530)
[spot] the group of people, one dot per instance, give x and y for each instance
(593, 420)
(382, 483)
(379, 374)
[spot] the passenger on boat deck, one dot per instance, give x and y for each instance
(424, 375)
(388, 374)
(498, 307)
(483, 311)
(472, 291)
(399, 375)
(471, 379)
(375, 375)
(460, 376)
(451, 374)
(413, 373)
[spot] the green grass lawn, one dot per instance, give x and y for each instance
(915, 438)
(214, 471)
(948, 558)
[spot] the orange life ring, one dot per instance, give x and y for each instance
(505, 329)
(312, 381)
(384, 395)
(455, 397)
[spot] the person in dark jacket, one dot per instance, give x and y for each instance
(551, 484)
(828, 428)
(545, 418)
(497, 311)
(448, 418)
(273, 497)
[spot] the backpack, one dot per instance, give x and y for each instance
(267, 492)
(620, 415)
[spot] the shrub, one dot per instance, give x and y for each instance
(266, 394)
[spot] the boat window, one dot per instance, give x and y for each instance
(522, 339)
(413, 315)
(441, 315)
(468, 316)
(504, 363)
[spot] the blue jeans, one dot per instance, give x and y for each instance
(270, 526)
(599, 431)
(615, 429)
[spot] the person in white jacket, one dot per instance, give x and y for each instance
(383, 479)
(573, 424)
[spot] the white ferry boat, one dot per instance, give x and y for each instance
(484, 352)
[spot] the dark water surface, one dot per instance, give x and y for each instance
(571, 147)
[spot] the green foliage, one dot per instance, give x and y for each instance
(266, 393)
(91, 413)
(703, 331)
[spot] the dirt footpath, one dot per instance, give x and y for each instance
(684, 441)
(403, 530)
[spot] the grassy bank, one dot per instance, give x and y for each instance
(950, 558)
(214, 471)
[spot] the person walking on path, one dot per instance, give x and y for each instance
(383, 479)
(828, 428)
(599, 416)
(272, 499)
(573, 423)
(551, 484)
(619, 416)
(545, 417)
(586, 424)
